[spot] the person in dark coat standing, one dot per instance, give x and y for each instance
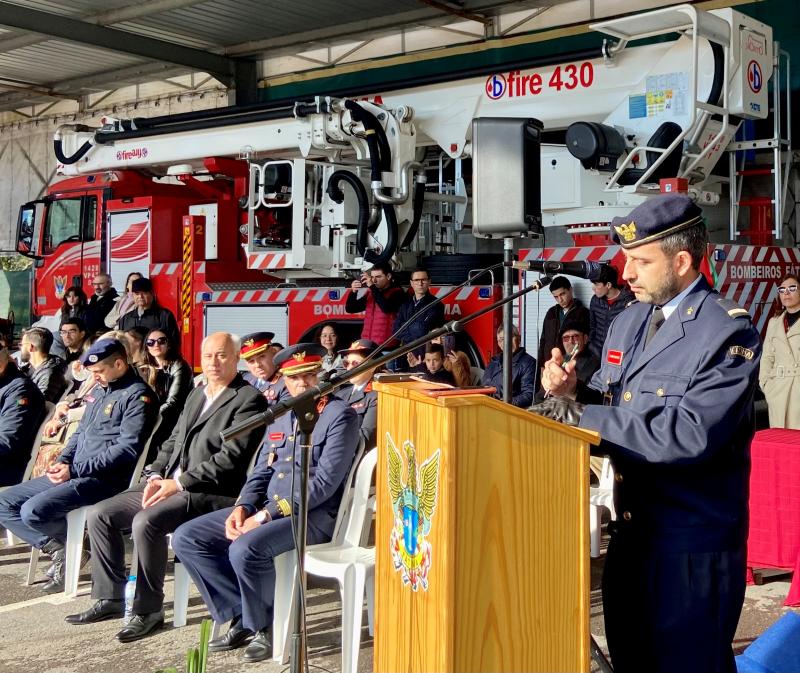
(46, 371)
(608, 301)
(148, 314)
(21, 412)
(97, 462)
(101, 303)
(566, 305)
(195, 472)
(421, 311)
(230, 553)
(523, 372)
(677, 378)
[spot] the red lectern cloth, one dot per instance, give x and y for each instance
(774, 537)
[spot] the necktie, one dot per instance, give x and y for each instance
(656, 320)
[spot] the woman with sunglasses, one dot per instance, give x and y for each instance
(173, 380)
(780, 374)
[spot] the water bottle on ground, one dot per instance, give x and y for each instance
(130, 593)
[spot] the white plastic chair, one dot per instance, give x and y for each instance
(601, 495)
(12, 539)
(344, 559)
(76, 524)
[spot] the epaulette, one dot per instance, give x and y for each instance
(732, 308)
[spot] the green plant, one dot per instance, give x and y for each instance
(196, 657)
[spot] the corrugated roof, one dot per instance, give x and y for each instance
(55, 65)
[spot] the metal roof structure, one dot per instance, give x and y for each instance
(57, 49)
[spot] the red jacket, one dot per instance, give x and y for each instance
(380, 309)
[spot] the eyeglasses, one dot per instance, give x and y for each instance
(572, 337)
(161, 341)
(420, 280)
(788, 289)
(349, 364)
(68, 331)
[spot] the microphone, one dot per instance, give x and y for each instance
(588, 270)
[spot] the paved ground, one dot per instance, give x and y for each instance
(34, 636)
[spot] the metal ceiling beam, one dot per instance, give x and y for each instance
(73, 30)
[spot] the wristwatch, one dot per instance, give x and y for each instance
(261, 516)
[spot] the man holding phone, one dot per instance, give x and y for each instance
(380, 303)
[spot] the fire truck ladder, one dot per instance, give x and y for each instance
(762, 207)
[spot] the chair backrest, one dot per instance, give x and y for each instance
(606, 475)
(359, 501)
(37, 442)
(347, 496)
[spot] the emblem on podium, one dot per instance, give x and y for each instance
(413, 505)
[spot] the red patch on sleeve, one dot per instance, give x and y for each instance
(276, 436)
(614, 357)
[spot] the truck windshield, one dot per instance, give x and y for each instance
(66, 220)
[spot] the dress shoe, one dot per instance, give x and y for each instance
(236, 636)
(100, 611)
(141, 626)
(259, 649)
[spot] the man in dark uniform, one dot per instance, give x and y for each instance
(96, 463)
(195, 472)
(230, 553)
(677, 377)
(359, 393)
(148, 313)
(21, 412)
(260, 360)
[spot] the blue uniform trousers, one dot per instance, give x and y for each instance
(36, 510)
(671, 610)
(236, 578)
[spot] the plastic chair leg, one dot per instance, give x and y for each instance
(76, 524)
(11, 539)
(594, 531)
(370, 590)
(285, 583)
(180, 604)
(352, 607)
(32, 565)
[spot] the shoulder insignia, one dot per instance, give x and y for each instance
(632, 302)
(732, 308)
(746, 353)
(22, 402)
(145, 399)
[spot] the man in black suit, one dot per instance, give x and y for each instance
(194, 473)
(101, 303)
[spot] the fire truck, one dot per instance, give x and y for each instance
(259, 217)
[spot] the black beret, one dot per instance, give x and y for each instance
(656, 218)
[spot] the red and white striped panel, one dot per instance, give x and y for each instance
(312, 294)
(268, 260)
(164, 269)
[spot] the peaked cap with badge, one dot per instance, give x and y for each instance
(656, 218)
(256, 343)
(361, 346)
(300, 358)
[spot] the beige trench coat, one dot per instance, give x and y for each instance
(779, 376)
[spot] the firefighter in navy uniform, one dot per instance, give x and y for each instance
(677, 379)
(359, 393)
(229, 553)
(263, 375)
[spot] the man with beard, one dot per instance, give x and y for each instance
(676, 382)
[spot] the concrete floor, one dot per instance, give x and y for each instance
(34, 636)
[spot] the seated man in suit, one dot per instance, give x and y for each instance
(194, 473)
(359, 393)
(263, 375)
(230, 553)
(21, 412)
(96, 463)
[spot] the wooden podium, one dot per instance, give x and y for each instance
(482, 536)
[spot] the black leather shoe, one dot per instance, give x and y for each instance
(100, 611)
(141, 626)
(56, 583)
(259, 649)
(236, 636)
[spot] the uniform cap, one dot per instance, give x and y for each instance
(300, 358)
(255, 343)
(366, 346)
(102, 349)
(656, 218)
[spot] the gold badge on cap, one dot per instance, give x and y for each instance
(250, 342)
(627, 232)
(355, 346)
(300, 356)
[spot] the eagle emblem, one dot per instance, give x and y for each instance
(60, 283)
(413, 505)
(627, 232)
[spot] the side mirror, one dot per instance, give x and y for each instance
(27, 238)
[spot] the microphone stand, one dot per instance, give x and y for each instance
(305, 410)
